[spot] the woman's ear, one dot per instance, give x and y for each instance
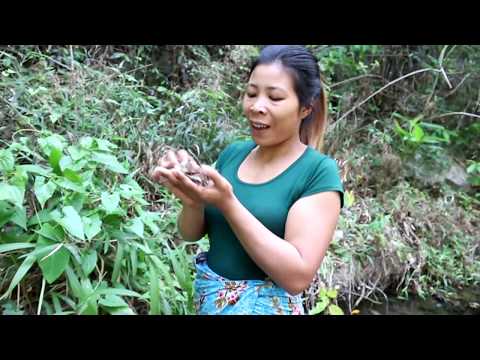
(305, 111)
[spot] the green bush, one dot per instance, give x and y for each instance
(72, 215)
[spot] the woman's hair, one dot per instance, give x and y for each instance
(304, 69)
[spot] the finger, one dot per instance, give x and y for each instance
(213, 174)
(183, 156)
(179, 193)
(165, 163)
(190, 188)
(185, 181)
(155, 176)
(164, 174)
(192, 166)
(170, 160)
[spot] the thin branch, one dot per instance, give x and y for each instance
(381, 89)
(456, 113)
(71, 58)
(355, 78)
(459, 84)
(442, 70)
(40, 301)
(53, 60)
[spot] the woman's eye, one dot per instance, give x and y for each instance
(250, 95)
(276, 99)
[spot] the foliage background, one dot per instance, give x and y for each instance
(83, 230)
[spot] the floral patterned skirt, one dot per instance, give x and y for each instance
(216, 295)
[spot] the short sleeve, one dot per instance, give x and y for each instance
(325, 177)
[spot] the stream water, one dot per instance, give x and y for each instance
(466, 302)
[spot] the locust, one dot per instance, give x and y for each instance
(189, 167)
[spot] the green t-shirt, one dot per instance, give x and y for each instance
(269, 202)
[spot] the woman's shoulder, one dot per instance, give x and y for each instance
(234, 148)
(319, 159)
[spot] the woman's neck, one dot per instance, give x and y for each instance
(286, 149)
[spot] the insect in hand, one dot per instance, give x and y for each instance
(190, 167)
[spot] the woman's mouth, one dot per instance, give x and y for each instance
(259, 126)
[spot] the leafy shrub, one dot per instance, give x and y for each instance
(73, 215)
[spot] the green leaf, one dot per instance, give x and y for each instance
(89, 260)
(19, 275)
(54, 116)
(332, 294)
(110, 202)
(117, 263)
(54, 160)
(7, 161)
(154, 292)
(136, 227)
(74, 252)
(109, 161)
(20, 217)
(72, 176)
(43, 191)
(54, 233)
(180, 271)
(56, 303)
(399, 130)
(35, 169)
(135, 189)
(51, 142)
(319, 307)
(113, 220)
(105, 145)
(79, 166)
(72, 222)
(65, 163)
(418, 133)
(40, 217)
(86, 142)
(76, 200)
(54, 263)
(335, 310)
(76, 152)
(6, 212)
(113, 301)
(10, 308)
(13, 194)
(74, 283)
(133, 260)
(13, 235)
(20, 178)
(149, 219)
(116, 291)
(124, 310)
(349, 198)
(69, 185)
(91, 306)
(92, 225)
(15, 246)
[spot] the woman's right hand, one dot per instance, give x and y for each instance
(169, 163)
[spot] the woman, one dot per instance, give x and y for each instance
(273, 203)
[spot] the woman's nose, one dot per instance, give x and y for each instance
(259, 107)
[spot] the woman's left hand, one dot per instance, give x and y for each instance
(218, 192)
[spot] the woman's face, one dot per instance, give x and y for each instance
(270, 100)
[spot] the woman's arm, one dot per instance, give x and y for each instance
(291, 262)
(191, 222)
